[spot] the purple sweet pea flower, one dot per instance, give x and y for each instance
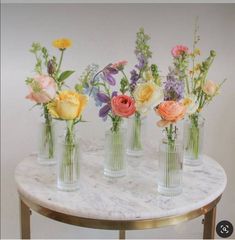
(108, 73)
(104, 111)
(103, 97)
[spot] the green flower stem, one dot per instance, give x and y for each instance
(60, 62)
(136, 141)
(187, 85)
(48, 133)
(116, 120)
(123, 73)
(116, 161)
(67, 168)
(193, 137)
(171, 155)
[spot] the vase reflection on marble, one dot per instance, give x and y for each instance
(170, 167)
(68, 157)
(115, 153)
(135, 135)
(193, 140)
(46, 143)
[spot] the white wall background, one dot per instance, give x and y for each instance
(103, 34)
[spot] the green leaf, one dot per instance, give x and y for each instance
(64, 75)
(29, 80)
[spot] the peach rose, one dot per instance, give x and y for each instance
(170, 112)
(210, 88)
(123, 106)
(42, 89)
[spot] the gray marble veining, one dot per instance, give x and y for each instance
(134, 196)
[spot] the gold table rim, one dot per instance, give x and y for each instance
(136, 224)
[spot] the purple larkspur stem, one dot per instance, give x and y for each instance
(103, 97)
(141, 63)
(104, 110)
(134, 76)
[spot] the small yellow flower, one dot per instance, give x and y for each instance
(191, 103)
(196, 69)
(187, 101)
(62, 43)
(197, 51)
(68, 105)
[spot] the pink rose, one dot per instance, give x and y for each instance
(123, 106)
(119, 65)
(210, 88)
(179, 50)
(42, 89)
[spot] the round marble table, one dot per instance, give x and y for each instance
(127, 203)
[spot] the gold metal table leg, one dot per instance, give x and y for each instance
(209, 224)
(24, 220)
(122, 234)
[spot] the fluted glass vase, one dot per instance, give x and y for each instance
(193, 140)
(68, 155)
(46, 142)
(136, 135)
(115, 153)
(170, 164)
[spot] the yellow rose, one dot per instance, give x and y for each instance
(147, 95)
(68, 105)
(62, 43)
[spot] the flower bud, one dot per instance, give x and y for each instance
(51, 67)
(212, 53)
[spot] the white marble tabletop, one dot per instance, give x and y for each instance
(132, 197)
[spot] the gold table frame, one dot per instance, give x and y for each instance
(209, 212)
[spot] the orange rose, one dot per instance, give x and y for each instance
(170, 112)
(123, 106)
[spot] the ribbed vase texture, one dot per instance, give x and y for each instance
(193, 140)
(46, 143)
(115, 153)
(170, 168)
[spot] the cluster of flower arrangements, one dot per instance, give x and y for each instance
(184, 91)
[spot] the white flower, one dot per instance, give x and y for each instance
(147, 95)
(191, 103)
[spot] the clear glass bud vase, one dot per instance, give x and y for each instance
(46, 143)
(170, 168)
(68, 157)
(136, 135)
(193, 140)
(115, 153)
